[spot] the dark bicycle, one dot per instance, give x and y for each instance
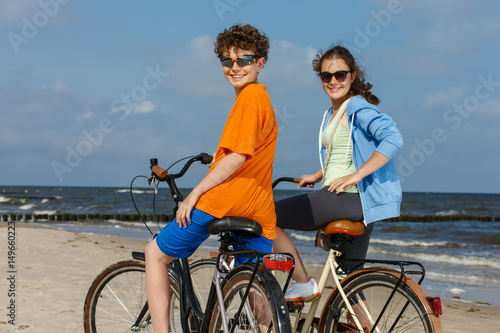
(245, 298)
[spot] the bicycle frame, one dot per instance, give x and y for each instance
(189, 302)
(332, 266)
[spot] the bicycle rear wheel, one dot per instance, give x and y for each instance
(368, 294)
(116, 300)
(265, 309)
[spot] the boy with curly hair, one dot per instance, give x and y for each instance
(239, 181)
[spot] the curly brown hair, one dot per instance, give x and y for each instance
(359, 86)
(243, 37)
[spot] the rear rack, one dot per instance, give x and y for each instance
(399, 263)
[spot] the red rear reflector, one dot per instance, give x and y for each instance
(435, 303)
(278, 261)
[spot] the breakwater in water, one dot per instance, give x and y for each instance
(67, 217)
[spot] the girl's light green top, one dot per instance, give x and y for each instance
(339, 164)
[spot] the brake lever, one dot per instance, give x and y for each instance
(151, 182)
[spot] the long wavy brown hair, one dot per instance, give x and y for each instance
(359, 86)
(244, 37)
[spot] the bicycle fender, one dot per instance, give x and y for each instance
(267, 279)
(421, 294)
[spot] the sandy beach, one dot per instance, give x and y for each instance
(52, 270)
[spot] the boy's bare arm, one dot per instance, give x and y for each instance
(222, 171)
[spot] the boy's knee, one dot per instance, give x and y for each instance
(151, 250)
(153, 253)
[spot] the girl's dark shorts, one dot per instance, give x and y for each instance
(314, 210)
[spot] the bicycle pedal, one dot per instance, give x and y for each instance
(294, 306)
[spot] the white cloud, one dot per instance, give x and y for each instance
(460, 35)
(491, 109)
(455, 26)
(59, 85)
(198, 73)
(144, 107)
(84, 116)
(36, 110)
(445, 98)
(424, 66)
(11, 11)
(290, 67)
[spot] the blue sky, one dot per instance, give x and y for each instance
(91, 90)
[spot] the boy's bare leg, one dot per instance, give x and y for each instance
(158, 286)
(283, 243)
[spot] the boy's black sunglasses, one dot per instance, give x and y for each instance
(243, 60)
(340, 76)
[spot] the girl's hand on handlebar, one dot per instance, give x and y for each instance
(309, 180)
(186, 207)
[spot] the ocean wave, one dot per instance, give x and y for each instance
(5, 199)
(45, 212)
(401, 243)
(302, 237)
(467, 279)
(100, 208)
(449, 212)
(135, 191)
(28, 207)
(440, 258)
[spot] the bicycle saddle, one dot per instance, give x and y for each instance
(234, 224)
(345, 227)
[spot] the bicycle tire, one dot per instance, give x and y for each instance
(117, 296)
(202, 273)
(265, 291)
(375, 288)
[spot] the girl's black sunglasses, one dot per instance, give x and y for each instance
(340, 76)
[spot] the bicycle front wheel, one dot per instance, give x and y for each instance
(265, 308)
(116, 300)
(202, 273)
(368, 295)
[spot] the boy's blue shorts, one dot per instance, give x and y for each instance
(179, 242)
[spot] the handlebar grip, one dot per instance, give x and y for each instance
(206, 158)
(160, 172)
(286, 179)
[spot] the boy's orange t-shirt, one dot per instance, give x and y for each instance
(250, 130)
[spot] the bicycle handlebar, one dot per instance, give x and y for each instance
(286, 179)
(162, 175)
(159, 171)
(204, 158)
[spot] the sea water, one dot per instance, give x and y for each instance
(459, 242)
